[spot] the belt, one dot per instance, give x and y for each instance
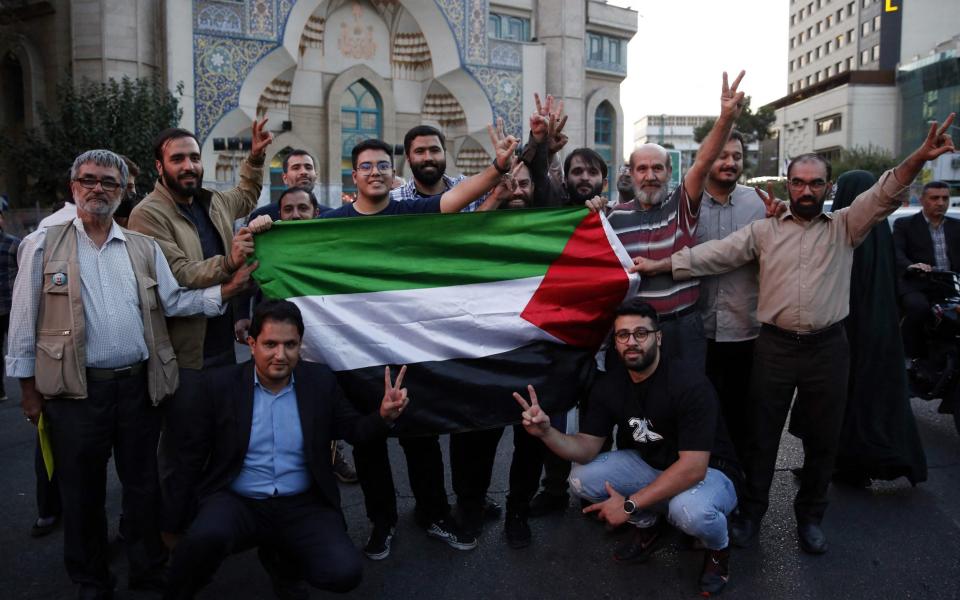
(804, 337)
(112, 374)
(676, 314)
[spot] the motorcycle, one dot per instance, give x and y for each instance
(938, 375)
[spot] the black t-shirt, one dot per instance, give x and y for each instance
(675, 409)
(427, 204)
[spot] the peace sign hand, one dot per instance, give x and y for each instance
(534, 420)
(938, 141)
(731, 101)
(503, 145)
(260, 139)
(394, 396)
(775, 207)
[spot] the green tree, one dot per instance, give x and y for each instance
(754, 126)
(121, 116)
(872, 158)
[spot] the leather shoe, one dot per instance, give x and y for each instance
(812, 539)
(743, 531)
(642, 543)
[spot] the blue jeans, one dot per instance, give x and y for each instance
(700, 511)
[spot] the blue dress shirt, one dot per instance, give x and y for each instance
(275, 464)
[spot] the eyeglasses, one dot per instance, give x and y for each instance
(108, 185)
(382, 166)
(816, 185)
(623, 336)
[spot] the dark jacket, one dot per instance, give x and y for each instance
(219, 434)
(912, 242)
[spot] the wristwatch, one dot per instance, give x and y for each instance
(629, 506)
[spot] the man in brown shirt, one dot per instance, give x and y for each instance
(804, 257)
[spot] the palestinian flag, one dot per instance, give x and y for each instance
(477, 305)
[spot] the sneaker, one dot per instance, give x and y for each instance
(517, 530)
(378, 546)
(449, 532)
(716, 571)
(544, 504)
(491, 509)
(44, 525)
(642, 543)
(342, 468)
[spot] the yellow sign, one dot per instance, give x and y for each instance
(889, 6)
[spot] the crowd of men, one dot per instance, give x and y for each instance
(122, 339)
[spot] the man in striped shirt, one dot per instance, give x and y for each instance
(656, 223)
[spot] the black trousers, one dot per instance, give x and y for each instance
(48, 490)
(683, 338)
(729, 365)
(115, 415)
(916, 313)
(308, 536)
(556, 471)
(528, 459)
(4, 326)
(818, 372)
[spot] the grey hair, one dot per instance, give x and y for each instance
(101, 158)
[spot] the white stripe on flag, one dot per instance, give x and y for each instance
(353, 331)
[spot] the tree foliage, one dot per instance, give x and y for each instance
(121, 116)
(871, 158)
(754, 126)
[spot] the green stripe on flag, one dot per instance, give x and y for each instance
(376, 254)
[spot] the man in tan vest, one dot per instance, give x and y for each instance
(89, 344)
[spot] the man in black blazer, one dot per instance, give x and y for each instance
(927, 241)
(258, 452)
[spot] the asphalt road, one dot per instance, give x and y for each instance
(889, 541)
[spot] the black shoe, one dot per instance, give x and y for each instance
(152, 581)
(491, 509)
(286, 585)
(852, 479)
(716, 571)
(517, 530)
(642, 543)
(89, 592)
(812, 539)
(452, 534)
(471, 521)
(544, 504)
(378, 546)
(342, 468)
(44, 525)
(743, 531)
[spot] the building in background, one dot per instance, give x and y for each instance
(671, 131)
(328, 73)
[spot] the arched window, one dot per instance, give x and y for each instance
(604, 136)
(361, 117)
(11, 80)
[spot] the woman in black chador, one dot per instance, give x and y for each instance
(879, 439)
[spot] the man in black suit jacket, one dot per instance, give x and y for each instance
(916, 239)
(258, 453)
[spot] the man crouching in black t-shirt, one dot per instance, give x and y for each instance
(674, 454)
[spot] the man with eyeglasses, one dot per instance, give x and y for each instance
(90, 346)
(673, 455)
(373, 174)
(805, 257)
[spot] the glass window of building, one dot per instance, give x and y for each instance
(864, 57)
(875, 52)
(604, 136)
(360, 118)
(876, 23)
(829, 124)
(508, 27)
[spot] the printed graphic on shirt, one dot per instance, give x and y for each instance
(642, 432)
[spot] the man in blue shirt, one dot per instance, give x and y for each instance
(259, 448)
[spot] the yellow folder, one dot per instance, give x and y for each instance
(45, 448)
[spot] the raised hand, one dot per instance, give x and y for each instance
(539, 124)
(260, 139)
(775, 207)
(503, 145)
(260, 224)
(534, 420)
(731, 100)
(395, 397)
(938, 141)
(611, 509)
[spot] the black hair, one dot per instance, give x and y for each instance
(422, 131)
(297, 152)
(282, 311)
(935, 185)
(165, 136)
(299, 188)
(640, 308)
(811, 157)
(589, 156)
(370, 144)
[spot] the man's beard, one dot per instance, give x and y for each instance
(173, 184)
(807, 210)
(651, 198)
(428, 178)
(645, 360)
(102, 208)
(577, 198)
(726, 185)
